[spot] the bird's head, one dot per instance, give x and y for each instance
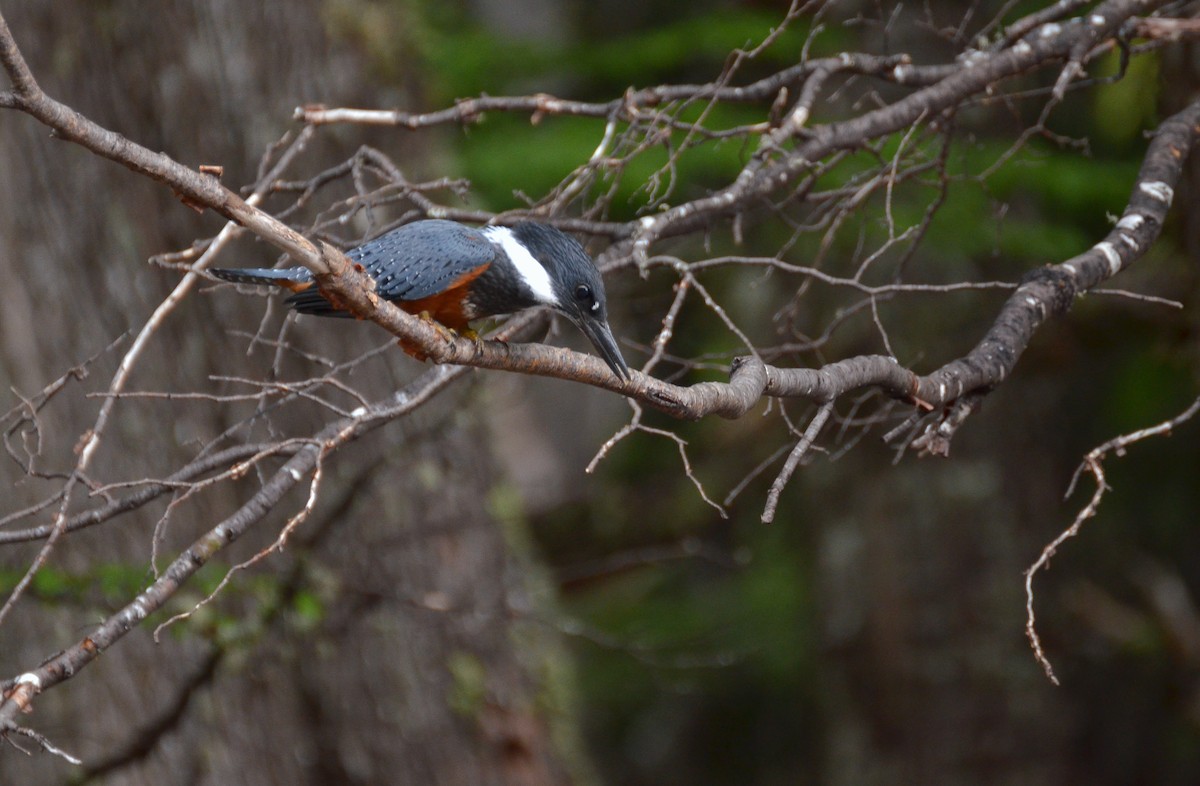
(575, 285)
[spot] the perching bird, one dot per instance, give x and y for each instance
(456, 274)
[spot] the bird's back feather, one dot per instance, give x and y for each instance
(413, 262)
(423, 259)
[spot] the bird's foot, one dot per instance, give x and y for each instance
(447, 334)
(476, 339)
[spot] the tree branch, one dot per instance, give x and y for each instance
(19, 693)
(790, 150)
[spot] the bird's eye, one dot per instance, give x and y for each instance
(583, 293)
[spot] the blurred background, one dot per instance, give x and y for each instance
(467, 604)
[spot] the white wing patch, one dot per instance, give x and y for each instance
(530, 270)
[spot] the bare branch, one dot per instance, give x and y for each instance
(1092, 464)
(68, 663)
(903, 126)
(793, 460)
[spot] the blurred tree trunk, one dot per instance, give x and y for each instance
(383, 648)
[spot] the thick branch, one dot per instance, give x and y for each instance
(1044, 293)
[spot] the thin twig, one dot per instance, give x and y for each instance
(793, 460)
(1092, 464)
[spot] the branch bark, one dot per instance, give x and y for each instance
(1042, 294)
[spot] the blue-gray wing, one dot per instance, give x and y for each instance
(412, 262)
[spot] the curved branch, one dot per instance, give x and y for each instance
(894, 68)
(979, 72)
(1043, 293)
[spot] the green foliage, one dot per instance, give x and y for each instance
(308, 609)
(1124, 109)
(468, 686)
(644, 56)
(466, 60)
(1141, 380)
(503, 156)
(104, 585)
(236, 615)
(773, 613)
(49, 584)
(1053, 203)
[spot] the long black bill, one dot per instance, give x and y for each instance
(600, 334)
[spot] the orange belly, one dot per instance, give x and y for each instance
(448, 306)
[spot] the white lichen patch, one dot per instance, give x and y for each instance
(1156, 189)
(1131, 222)
(1110, 254)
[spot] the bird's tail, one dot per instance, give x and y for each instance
(296, 279)
(307, 298)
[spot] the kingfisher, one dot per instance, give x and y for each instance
(454, 274)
